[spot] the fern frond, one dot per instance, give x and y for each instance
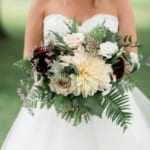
(72, 26)
(116, 107)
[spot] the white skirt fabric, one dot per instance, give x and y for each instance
(46, 131)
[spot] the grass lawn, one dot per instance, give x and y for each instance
(11, 50)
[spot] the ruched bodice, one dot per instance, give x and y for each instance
(56, 22)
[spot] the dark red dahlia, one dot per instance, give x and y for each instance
(119, 68)
(42, 59)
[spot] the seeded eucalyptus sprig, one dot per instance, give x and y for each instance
(99, 32)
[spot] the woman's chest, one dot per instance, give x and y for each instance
(83, 11)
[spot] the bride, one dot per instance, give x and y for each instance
(45, 130)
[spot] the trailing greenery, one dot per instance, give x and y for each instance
(117, 108)
(115, 104)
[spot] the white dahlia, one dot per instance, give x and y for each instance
(94, 74)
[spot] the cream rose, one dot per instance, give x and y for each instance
(60, 87)
(74, 40)
(108, 49)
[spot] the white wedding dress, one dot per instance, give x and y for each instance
(47, 131)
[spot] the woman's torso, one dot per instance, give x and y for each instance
(80, 10)
(87, 17)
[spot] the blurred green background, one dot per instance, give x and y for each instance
(14, 13)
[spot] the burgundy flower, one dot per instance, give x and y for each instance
(119, 68)
(42, 59)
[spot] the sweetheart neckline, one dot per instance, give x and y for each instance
(93, 16)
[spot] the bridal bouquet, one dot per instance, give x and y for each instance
(81, 75)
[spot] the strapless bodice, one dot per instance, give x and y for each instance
(56, 23)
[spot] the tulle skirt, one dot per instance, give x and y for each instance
(46, 131)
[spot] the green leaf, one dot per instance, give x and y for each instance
(98, 33)
(77, 117)
(24, 65)
(125, 38)
(72, 26)
(62, 103)
(93, 104)
(117, 108)
(130, 38)
(110, 36)
(62, 45)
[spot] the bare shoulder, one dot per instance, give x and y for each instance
(40, 2)
(39, 5)
(121, 5)
(120, 2)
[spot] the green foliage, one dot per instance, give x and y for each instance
(62, 45)
(98, 33)
(101, 33)
(72, 26)
(94, 104)
(24, 65)
(130, 43)
(66, 107)
(113, 37)
(62, 104)
(40, 95)
(115, 104)
(117, 107)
